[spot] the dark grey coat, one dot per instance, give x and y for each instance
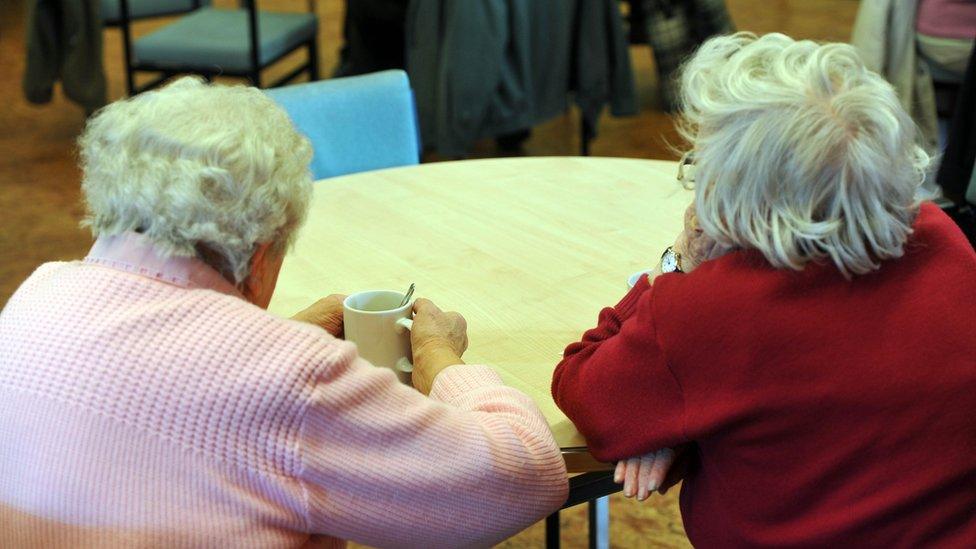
(64, 42)
(482, 68)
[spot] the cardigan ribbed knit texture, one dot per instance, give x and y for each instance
(137, 406)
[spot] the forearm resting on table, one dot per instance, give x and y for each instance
(377, 451)
(616, 371)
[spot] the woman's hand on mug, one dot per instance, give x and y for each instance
(694, 246)
(642, 475)
(438, 340)
(325, 313)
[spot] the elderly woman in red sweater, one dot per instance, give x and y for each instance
(809, 352)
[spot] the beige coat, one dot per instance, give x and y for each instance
(884, 35)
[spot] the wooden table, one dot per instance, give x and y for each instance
(528, 250)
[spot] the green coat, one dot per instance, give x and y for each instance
(64, 42)
(482, 68)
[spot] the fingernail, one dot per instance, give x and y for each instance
(651, 487)
(618, 478)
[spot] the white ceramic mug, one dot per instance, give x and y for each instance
(380, 328)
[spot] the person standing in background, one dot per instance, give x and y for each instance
(917, 46)
(674, 30)
(945, 30)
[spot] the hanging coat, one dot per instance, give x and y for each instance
(492, 67)
(64, 42)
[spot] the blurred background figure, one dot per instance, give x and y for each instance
(497, 69)
(674, 29)
(64, 44)
(921, 48)
(945, 33)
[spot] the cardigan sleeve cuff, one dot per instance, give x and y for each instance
(459, 379)
(628, 304)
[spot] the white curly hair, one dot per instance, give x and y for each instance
(202, 170)
(799, 152)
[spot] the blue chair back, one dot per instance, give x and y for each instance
(355, 124)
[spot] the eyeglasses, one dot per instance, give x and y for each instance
(686, 168)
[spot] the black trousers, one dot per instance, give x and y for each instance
(375, 37)
(960, 154)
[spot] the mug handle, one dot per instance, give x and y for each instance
(404, 324)
(404, 364)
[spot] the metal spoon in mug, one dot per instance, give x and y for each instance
(406, 298)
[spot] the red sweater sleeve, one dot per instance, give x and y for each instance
(616, 386)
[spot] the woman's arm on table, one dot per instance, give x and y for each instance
(616, 386)
(384, 465)
(618, 373)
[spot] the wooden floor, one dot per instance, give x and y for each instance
(39, 180)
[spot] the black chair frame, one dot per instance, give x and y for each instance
(584, 488)
(253, 75)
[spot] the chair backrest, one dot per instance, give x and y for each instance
(143, 9)
(355, 124)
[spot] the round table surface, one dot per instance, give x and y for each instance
(527, 249)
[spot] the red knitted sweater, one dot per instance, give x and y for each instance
(816, 411)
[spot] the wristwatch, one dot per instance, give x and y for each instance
(671, 261)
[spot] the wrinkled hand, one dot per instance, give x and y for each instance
(325, 313)
(433, 327)
(438, 340)
(643, 474)
(694, 245)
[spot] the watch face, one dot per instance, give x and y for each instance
(669, 263)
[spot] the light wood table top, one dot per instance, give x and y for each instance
(527, 249)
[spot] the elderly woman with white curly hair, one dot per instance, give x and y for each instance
(147, 398)
(806, 348)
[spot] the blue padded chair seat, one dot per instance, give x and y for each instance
(355, 124)
(218, 38)
(138, 9)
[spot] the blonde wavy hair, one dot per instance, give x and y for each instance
(799, 152)
(200, 169)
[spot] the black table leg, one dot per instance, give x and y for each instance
(552, 531)
(587, 133)
(585, 488)
(591, 522)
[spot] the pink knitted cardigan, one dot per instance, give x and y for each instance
(142, 401)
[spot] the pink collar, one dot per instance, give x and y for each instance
(137, 254)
